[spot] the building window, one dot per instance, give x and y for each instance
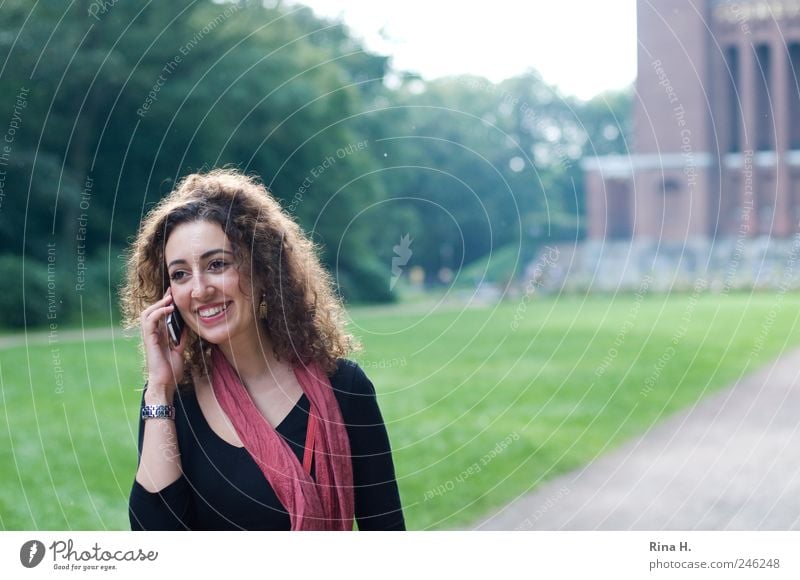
(765, 220)
(765, 119)
(670, 186)
(794, 96)
(619, 224)
(734, 104)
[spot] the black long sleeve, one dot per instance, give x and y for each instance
(222, 488)
(376, 495)
(167, 509)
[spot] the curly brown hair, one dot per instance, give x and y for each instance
(306, 321)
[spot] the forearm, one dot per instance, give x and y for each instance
(160, 462)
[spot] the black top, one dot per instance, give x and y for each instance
(222, 487)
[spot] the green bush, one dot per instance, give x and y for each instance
(367, 285)
(24, 300)
(99, 292)
(59, 295)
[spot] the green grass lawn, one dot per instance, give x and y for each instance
(479, 409)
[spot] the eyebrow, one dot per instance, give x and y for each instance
(202, 257)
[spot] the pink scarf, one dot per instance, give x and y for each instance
(324, 504)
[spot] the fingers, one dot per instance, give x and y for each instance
(164, 362)
(158, 309)
(151, 320)
(154, 331)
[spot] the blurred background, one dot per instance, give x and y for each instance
(543, 258)
(117, 102)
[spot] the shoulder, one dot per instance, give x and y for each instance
(358, 403)
(350, 379)
(354, 392)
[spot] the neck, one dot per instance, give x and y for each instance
(251, 355)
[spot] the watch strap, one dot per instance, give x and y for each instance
(158, 412)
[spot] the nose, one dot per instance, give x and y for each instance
(199, 287)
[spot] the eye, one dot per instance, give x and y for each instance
(177, 275)
(217, 264)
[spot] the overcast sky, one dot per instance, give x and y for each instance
(582, 46)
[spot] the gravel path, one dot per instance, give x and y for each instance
(732, 462)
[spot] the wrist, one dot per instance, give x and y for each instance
(159, 394)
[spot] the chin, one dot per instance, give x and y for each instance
(216, 335)
(212, 339)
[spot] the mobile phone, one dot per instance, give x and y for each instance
(174, 326)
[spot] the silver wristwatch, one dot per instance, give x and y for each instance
(158, 412)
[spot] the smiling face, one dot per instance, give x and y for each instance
(207, 283)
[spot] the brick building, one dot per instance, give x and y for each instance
(711, 187)
(716, 144)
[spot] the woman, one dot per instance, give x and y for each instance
(254, 419)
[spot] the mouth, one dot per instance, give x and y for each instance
(213, 313)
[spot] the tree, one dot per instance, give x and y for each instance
(124, 98)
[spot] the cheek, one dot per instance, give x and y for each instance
(231, 284)
(181, 294)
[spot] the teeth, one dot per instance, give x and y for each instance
(209, 312)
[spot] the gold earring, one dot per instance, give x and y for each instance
(262, 307)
